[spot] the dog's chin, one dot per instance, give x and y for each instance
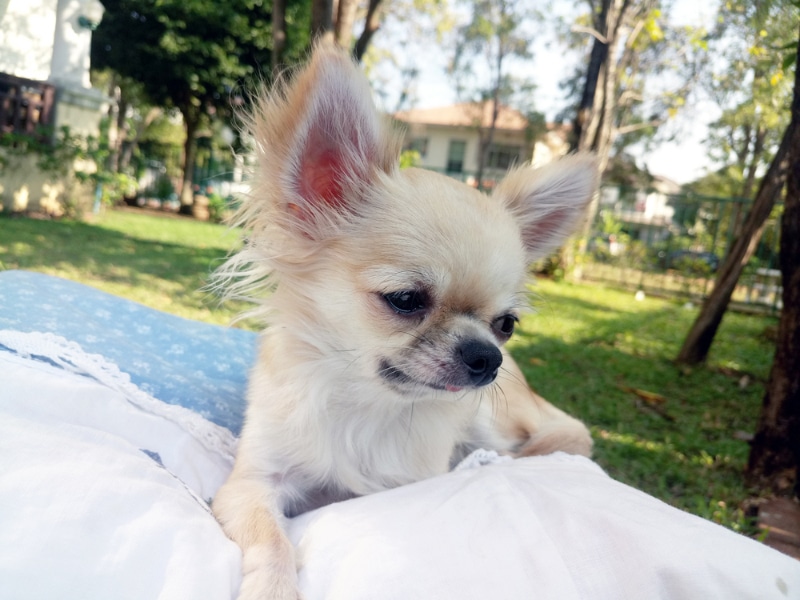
(403, 383)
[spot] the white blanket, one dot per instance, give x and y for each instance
(104, 489)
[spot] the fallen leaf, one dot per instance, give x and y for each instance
(649, 397)
(653, 408)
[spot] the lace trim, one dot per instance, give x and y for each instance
(481, 458)
(58, 352)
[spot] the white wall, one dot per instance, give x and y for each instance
(42, 40)
(27, 30)
(439, 145)
(25, 187)
(439, 138)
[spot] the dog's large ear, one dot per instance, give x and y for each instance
(327, 141)
(549, 203)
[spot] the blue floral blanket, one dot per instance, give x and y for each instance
(199, 366)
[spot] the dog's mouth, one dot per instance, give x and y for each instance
(400, 380)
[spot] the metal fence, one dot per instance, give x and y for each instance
(673, 244)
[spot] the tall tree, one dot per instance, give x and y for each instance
(752, 90)
(372, 22)
(278, 36)
(698, 341)
(335, 20)
(775, 451)
(322, 19)
(621, 93)
(492, 37)
(607, 17)
(392, 62)
(187, 54)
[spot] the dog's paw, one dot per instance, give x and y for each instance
(264, 578)
(568, 435)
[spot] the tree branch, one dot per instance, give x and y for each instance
(637, 126)
(371, 24)
(591, 31)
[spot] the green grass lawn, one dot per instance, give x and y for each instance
(589, 349)
(586, 348)
(162, 262)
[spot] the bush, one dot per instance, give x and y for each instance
(163, 188)
(217, 206)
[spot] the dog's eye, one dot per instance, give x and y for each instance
(504, 326)
(407, 302)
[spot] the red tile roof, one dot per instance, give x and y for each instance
(465, 115)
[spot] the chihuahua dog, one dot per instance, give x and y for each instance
(388, 295)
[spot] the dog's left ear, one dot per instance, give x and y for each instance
(339, 142)
(549, 203)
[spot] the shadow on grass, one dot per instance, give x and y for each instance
(103, 253)
(124, 255)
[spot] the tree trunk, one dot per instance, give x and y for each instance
(372, 23)
(775, 451)
(597, 60)
(278, 36)
(321, 19)
(698, 342)
(486, 144)
(487, 140)
(117, 127)
(127, 149)
(345, 18)
(594, 120)
(755, 158)
(603, 135)
(191, 120)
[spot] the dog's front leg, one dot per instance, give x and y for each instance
(248, 509)
(525, 424)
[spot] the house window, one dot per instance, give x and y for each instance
(503, 157)
(455, 156)
(418, 145)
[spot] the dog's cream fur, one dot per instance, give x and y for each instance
(352, 393)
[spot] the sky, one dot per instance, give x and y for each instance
(682, 160)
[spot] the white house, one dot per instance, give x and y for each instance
(448, 140)
(44, 81)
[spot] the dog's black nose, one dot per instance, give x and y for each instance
(482, 360)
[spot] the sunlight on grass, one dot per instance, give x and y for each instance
(18, 249)
(704, 484)
(630, 440)
(161, 262)
(601, 355)
(700, 459)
